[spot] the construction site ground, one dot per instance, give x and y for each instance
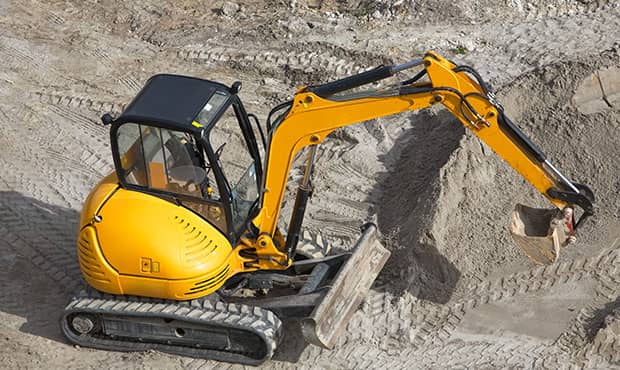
(456, 293)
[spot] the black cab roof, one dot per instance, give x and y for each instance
(171, 100)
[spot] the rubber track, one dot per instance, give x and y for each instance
(262, 322)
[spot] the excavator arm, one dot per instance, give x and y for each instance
(316, 111)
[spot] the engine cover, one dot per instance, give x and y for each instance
(139, 244)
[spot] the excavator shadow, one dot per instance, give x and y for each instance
(407, 204)
(40, 271)
(292, 344)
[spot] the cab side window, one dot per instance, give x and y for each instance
(131, 154)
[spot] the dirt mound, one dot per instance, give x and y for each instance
(606, 342)
(463, 12)
(447, 202)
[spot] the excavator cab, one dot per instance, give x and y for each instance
(188, 155)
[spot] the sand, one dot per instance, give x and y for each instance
(456, 292)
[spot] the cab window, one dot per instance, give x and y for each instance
(169, 161)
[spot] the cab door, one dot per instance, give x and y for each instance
(169, 164)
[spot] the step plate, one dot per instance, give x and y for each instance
(351, 284)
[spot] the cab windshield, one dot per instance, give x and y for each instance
(231, 151)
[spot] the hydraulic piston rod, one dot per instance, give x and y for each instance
(303, 193)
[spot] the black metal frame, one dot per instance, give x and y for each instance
(293, 301)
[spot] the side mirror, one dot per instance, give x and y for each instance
(107, 119)
(236, 86)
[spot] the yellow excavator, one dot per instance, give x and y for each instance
(180, 244)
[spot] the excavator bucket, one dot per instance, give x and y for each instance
(538, 232)
(329, 319)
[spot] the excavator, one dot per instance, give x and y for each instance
(180, 245)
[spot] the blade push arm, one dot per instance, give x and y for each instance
(316, 112)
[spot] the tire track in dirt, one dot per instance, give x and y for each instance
(598, 267)
(604, 348)
(28, 59)
(42, 236)
(545, 41)
(60, 166)
(578, 338)
(345, 177)
(539, 9)
(430, 347)
(481, 11)
(295, 67)
(77, 132)
(83, 102)
(431, 325)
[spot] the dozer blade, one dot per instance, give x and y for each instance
(330, 317)
(538, 232)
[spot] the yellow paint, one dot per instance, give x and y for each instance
(136, 227)
(97, 196)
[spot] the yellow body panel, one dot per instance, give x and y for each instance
(139, 227)
(144, 245)
(95, 269)
(97, 197)
(102, 276)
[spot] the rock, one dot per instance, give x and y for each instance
(297, 25)
(269, 81)
(315, 4)
(229, 8)
(610, 82)
(589, 97)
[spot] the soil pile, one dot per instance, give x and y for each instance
(449, 198)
